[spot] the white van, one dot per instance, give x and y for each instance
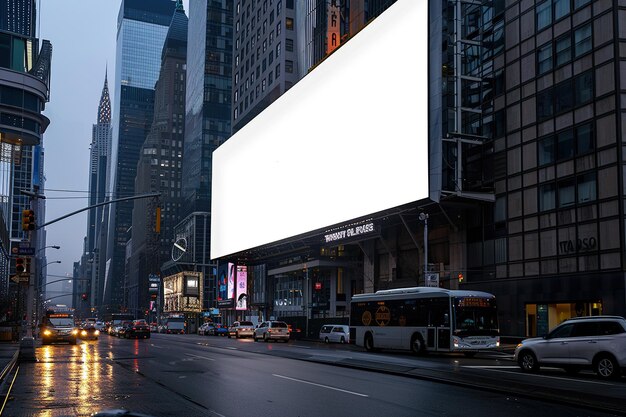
(338, 333)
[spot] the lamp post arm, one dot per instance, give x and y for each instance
(66, 279)
(117, 200)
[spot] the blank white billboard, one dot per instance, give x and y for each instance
(348, 140)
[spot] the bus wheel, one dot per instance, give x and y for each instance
(417, 345)
(369, 342)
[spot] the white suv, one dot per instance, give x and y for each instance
(597, 342)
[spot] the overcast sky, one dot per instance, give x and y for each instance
(82, 33)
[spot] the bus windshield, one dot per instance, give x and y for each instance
(62, 322)
(475, 316)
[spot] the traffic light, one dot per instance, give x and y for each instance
(20, 265)
(28, 220)
(84, 297)
(461, 278)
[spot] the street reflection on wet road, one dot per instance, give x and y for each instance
(78, 380)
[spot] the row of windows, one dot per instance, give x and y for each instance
(260, 89)
(551, 11)
(565, 193)
(566, 144)
(19, 98)
(563, 49)
(565, 96)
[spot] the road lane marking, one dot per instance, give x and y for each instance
(231, 348)
(552, 377)
(216, 413)
(158, 347)
(320, 385)
(201, 357)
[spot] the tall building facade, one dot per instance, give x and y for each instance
(552, 245)
(160, 168)
(141, 31)
(265, 63)
(207, 126)
(24, 90)
(208, 96)
(99, 159)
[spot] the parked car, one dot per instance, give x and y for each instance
(99, 326)
(206, 329)
(241, 329)
(137, 329)
(220, 330)
(595, 342)
(338, 333)
(88, 332)
(272, 330)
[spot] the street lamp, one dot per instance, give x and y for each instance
(46, 247)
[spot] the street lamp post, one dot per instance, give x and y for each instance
(40, 285)
(424, 217)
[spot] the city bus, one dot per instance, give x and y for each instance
(425, 319)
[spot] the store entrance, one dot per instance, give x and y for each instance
(541, 318)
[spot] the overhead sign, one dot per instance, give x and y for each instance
(348, 232)
(242, 288)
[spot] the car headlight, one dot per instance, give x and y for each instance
(83, 333)
(47, 332)
(520, 344)
(74, 332)
(97, 332)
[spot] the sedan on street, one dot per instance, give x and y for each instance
(272, 330)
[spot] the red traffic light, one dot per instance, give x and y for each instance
(20, 265)
(318, 286)
(461, 278)
(84, 296)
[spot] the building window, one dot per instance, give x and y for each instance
(582, 40)
(270, 78)
(289, 45)
(546, 150)
(289, 23)
(544, 58)
(279, 7)
(544, 104)
(580, 3)
(236, 113)
(563, 97)
(277, 70)
(271, 17)
(567, 193)
(289, 66)
(547, 194)
(561, 8)
(544, 14)
(565, 144)
(290, 4)
(277, 49)
(583, 86)
(586, 185)
(584, 139)
(279, 28)
(563, 50)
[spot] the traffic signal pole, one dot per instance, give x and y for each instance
(27, 343)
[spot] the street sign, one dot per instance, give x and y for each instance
(432, 279)
(17, 278)
(26, 251)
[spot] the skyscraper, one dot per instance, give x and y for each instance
(160, 168)
(141, 31)
(24, 87)
(99, 156)
(265, 61)
(207, 121)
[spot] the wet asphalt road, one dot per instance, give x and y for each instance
(171, 375)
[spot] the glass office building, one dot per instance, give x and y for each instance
(141, 31)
